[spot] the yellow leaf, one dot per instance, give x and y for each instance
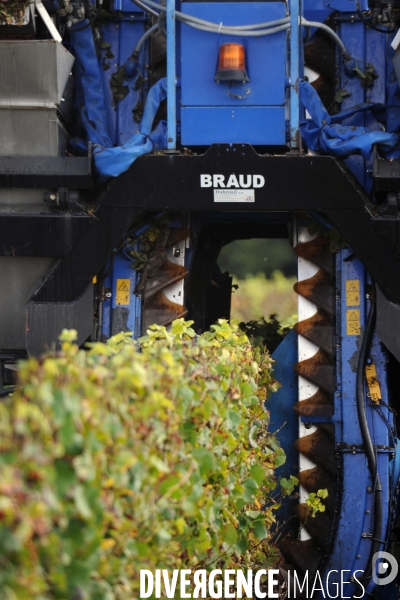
(180, 525)
(107, 543)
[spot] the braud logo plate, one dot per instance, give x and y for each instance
(233, 195)
(234, 188)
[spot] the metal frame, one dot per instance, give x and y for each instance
(171, 74)
(295, 58)
(173, 183)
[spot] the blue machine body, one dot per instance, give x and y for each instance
(118, 42)
(121, 306)
(355, 511)
(252, 112)
(282, 418)
(357, 505)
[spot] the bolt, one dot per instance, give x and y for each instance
(53, 196)
(337, 297)
(367, 512)
(177, 251)
(358, 556)
(369, 489)
(367, 296)
(108, 294)
(307, 425)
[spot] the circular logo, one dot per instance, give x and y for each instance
(384, 568)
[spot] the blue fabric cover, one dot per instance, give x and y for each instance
(89, 88)
(111, 162)
(325, 134)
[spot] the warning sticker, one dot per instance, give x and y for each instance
(123, 290)
(353, 292)
(353, 325)
(373, 383)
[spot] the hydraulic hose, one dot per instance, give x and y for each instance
(327, 30)
(144, 37)
(131, 65)
(145, 8)
(253, 30)
(180, 15)
(229, 31)
(362, 415)
(365, 434)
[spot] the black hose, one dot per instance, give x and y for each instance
(362, 415)
(374, 27)
(365, 434)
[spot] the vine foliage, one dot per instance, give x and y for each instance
(114, 460)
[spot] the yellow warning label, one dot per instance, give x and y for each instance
(123, 291)
(353, 326)
(353, 292)
(373, 383)
(95, 279)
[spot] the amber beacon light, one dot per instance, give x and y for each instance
(232, 64)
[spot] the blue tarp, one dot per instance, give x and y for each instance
(324, 133)
(89, 88)
(111, 161)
